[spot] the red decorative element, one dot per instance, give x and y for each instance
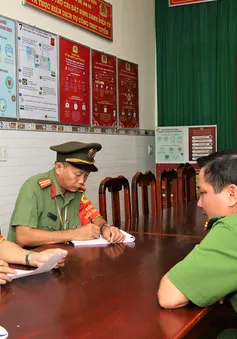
(185, 2)
(74, 83)
(206, 225)
(128, 94)
(1, 238)
(94, 16)
(53, 191)
(104, 111)
(44, 182)
(87, 211)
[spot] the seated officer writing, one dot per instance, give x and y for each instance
(209, 272)
(11, 253)
(51, 207)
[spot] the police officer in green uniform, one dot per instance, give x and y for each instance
(51, 207)
(209, 272)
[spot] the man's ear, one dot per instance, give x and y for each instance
(232, 194)
(58, 167)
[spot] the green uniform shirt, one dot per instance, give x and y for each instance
(37, 208)
(209, 272)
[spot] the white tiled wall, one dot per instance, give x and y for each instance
(29, 154)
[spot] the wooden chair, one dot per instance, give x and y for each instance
(186, 184)
(167, 188)
(144, 181)
(114, 186)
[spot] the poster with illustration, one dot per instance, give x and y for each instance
(7, 68)
(104, 98)
(74, 83)
(37, 72)
(182, 144)
(128, 94)
(171, 144)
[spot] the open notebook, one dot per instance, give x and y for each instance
(102, 241)
(47, 266)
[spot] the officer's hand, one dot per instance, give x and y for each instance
(87, 232)
(39, 258)
(112, 234)
(4, 271)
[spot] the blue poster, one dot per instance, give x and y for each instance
(7, 68)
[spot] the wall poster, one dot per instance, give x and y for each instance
(37, 72)
(104, 109)
(7, 68)
(128, 94)
(202, 141)
(74, 83)
(181, 144)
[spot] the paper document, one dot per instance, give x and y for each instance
(102, 241)
(46, 267)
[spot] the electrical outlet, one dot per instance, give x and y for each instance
(3, 153)
(149, 149)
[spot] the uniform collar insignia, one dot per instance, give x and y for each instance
(210, 222)
(53, 191)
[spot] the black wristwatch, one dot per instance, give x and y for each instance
(27, 258)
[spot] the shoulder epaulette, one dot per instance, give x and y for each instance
(45, 182)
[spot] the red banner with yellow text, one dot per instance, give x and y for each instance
(186, 2)
(93, 15)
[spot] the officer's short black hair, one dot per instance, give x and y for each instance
(220, 169)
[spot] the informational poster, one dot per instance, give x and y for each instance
(128, 94)
(7, 68)
(37, 72)
(186, 2)
(170, 144)
(104, 111)
(93, 15)
(74, 83)
(181, 144)
(202, 141)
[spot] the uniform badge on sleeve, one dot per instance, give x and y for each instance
(45, 182)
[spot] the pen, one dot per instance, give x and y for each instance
(92, 222)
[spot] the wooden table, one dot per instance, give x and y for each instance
(103, 292)
(184, 220)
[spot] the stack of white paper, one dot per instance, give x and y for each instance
(102, 241)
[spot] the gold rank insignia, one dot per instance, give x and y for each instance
(45, 182)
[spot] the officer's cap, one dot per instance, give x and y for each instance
(78, 154)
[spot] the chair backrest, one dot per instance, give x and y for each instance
(187, 184)
(144, 181)
(167, 188)
(114, 186)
